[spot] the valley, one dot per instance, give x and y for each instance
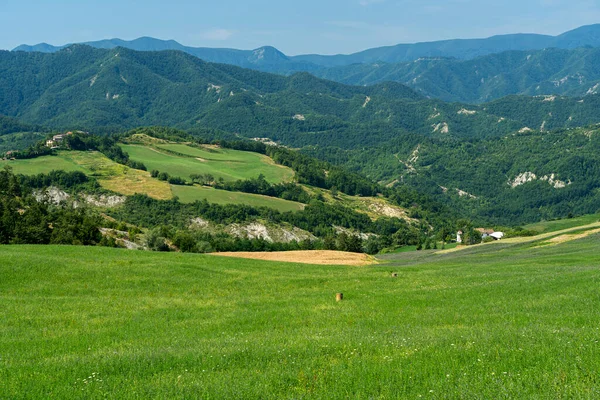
(408, 221)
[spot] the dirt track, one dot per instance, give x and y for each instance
(320, 257)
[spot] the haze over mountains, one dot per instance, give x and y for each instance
(471, 70)
(457, 48)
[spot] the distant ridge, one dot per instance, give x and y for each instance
(270, 59)
(266, 58)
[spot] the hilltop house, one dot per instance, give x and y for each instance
(56, 140)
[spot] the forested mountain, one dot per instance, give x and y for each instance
(524, 176)
(464, 49)
(471, 71)
(379, 130)
(270, 59)
(89, 88)
(92, 87)
(543, 72)
(266, 58)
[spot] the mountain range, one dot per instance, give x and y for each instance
(464, 154)
(555, 71)
(89, 87)
(471, 71)
(270, 58)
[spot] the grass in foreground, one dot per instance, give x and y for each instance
(189, 194)
(507, 321)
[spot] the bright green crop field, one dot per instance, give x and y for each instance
(507, 321)
(228, 164)
(189, 194)
(40, 165)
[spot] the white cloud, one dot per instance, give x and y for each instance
(217, 34)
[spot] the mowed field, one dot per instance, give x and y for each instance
(110, 175)
(508, 321)
(189, 194)
(182, 160)
(128, 181)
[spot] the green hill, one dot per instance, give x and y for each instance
(543, 72)
(181, 160)
(373, 130)
(232, 165)
(523, 177)
(120, 88)
(97, 322)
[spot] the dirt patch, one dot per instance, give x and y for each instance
(320, 257)
(568, 238)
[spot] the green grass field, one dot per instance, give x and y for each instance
(189, 194)
(560, 224)
(504, 321)
(40, 165)
(228, 164)
(128, 181)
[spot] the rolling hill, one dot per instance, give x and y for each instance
(372, 129)
(228, 164)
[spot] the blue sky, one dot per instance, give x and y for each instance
(295, 27)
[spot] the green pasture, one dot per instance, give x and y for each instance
(560, 224)
(189, 194)
(228, 164)
(506, 321)
(40, 165)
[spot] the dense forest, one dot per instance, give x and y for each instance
(383, 135)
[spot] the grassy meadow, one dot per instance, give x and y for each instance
(42, 164)
(181, 160)
(503, 321)
(560, 224)
(128, 181)
(189, 194)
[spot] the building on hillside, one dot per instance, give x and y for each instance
(60, 137)
(485, 232)
(9, 155)
(497, 235)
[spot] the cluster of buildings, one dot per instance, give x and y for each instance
(9, 155)
(56, 140)
(484, 234)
